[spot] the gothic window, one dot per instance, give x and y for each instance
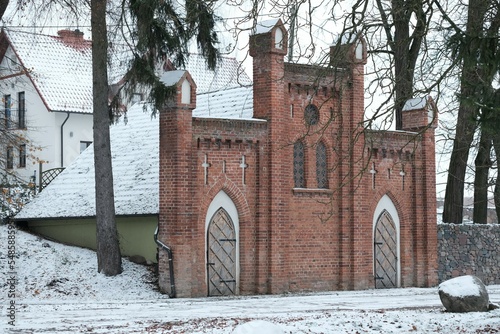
(321, 166)
(299, 165)
(311, 114)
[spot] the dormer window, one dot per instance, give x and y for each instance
(359, 50)
(186, 92)
(278, 39)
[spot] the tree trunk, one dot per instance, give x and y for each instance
(470, 80)
(496, 191)
(3, 7)
(454, 194)
(483, 164)
(406, 49)
(108, 249)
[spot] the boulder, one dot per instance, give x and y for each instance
(139, 259)
(258, 327)
(464, 294)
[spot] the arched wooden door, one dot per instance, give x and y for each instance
(385, 252)
(221, 255)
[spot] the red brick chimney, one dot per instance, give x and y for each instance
(73, 38)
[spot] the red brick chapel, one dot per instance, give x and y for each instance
(300, 197)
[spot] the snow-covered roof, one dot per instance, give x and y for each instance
(171, 78)
(135, 174)
(415, 103)
(265, 26)
(135, 162)
(60, 71)
(220, 94)
(62, 74)
(231, 103)
(227, 74)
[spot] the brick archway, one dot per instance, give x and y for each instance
(386, 244)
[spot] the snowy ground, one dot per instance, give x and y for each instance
(58, 290)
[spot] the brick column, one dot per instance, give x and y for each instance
(177, 220)
(420, 116)
(355, 235)
(268, 46)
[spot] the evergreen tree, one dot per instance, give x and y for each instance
(159, 33)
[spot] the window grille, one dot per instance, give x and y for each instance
(311, 114)
(299, 165)
(321, 166)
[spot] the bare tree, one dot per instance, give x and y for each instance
(404, 44)
(474, 48)
(483, 164)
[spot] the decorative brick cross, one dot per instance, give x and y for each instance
(402, 173)
(243, 166)
(373, 172)
(205, 166)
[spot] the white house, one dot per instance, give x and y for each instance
(46, 89)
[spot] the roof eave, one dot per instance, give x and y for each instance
(80, 217)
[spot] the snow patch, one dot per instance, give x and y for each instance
(460, 287)
(258, 327)
(58, 290)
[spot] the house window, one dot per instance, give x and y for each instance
(84, 145)
(136, 98)
(21, 117)
(321, 166)
(299, 165)
(10, 157)
(7, 104)
(22, 155)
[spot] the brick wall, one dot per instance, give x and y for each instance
(469, 249)
(296, 239)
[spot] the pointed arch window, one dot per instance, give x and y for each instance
(299, 165)
(321, 166)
